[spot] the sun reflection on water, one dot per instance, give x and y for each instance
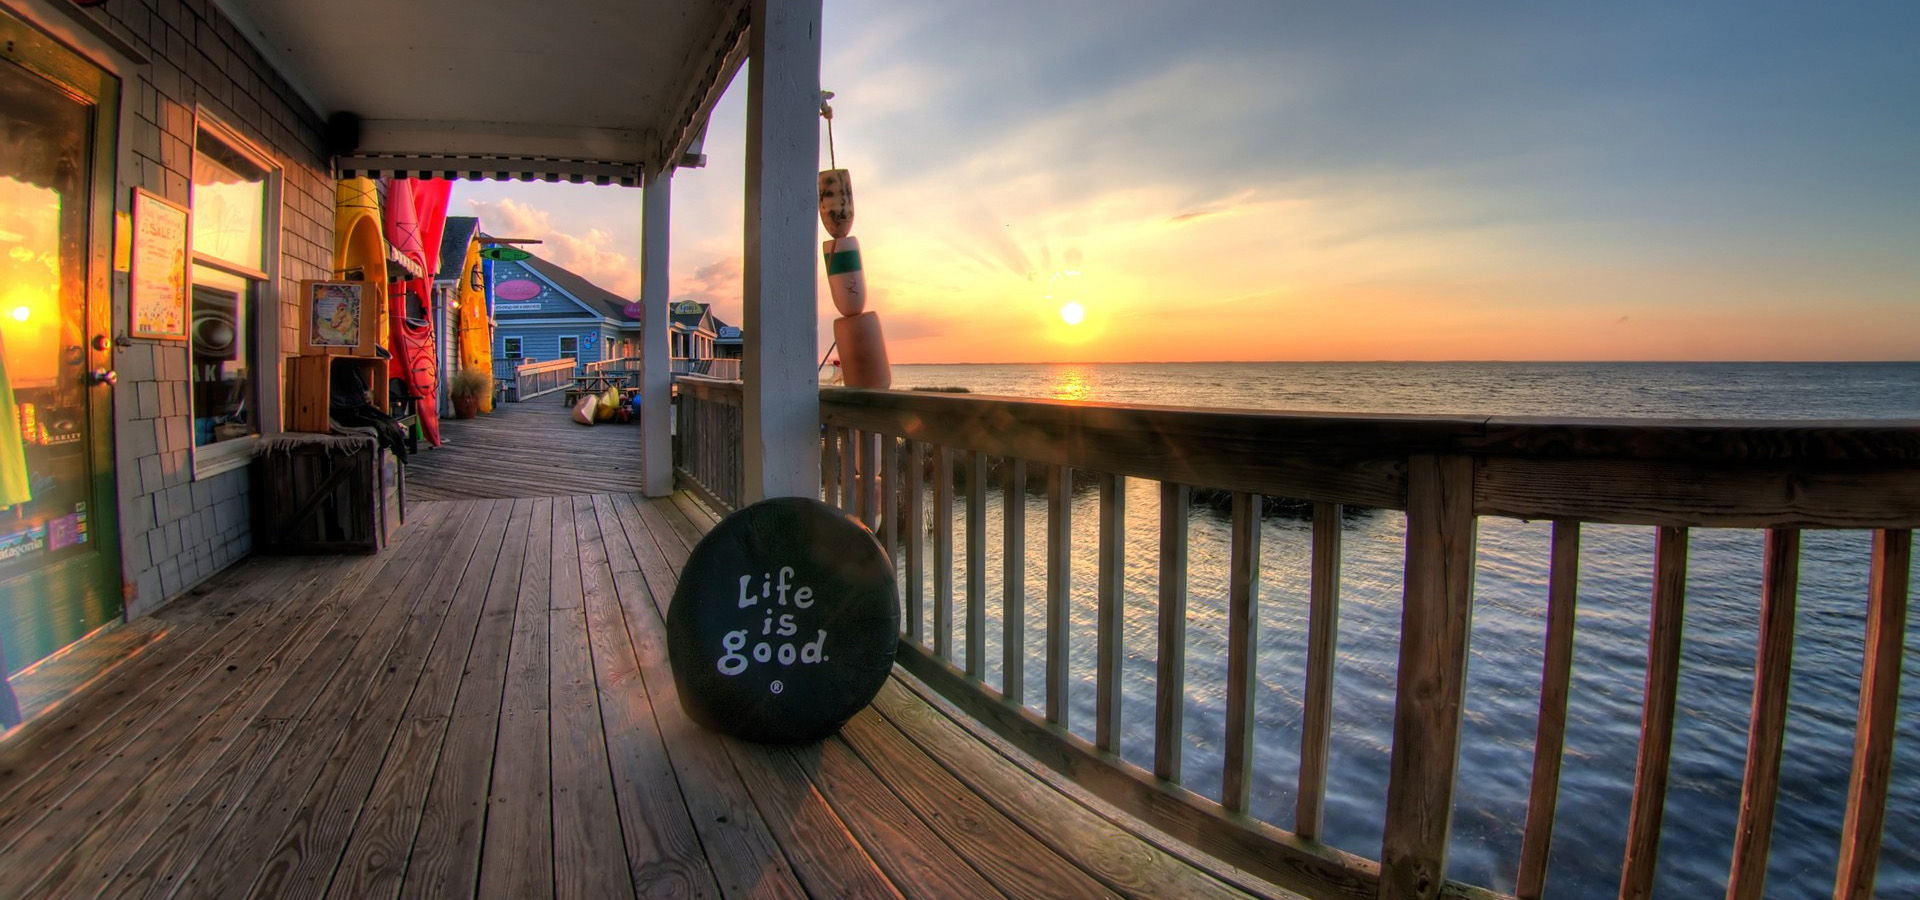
(1074, 383)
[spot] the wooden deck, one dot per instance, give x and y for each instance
(485, 709)
(530, 449)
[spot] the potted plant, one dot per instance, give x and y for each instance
(465, 390)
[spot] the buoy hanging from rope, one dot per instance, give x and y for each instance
(863, 348)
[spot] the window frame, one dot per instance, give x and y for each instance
(573, 354)
(219, 457)
(513, 347)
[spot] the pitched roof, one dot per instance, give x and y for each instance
(597, 298)
(691, 320)
(453, 245)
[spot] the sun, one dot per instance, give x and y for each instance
(1072, 313)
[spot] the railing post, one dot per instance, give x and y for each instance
(781, 403)
(1435, 617)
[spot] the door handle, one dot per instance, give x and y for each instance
(102, 376)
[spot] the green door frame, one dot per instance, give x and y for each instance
(99, 572)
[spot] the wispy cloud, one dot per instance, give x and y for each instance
(588, 253)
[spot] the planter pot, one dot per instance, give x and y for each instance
(466, 407)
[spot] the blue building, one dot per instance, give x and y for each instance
(543, 312)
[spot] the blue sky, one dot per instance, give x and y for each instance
(1344, 181)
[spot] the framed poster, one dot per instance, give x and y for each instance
(332, 315)
(159, 302)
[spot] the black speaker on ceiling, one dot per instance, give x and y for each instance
(342, 133)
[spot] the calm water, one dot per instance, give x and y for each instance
(1508, 626)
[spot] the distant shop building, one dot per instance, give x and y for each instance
(544, 312)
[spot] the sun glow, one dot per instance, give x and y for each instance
(1073, 313)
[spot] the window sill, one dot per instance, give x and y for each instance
(216, 459)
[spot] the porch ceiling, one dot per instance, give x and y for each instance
(567, 89)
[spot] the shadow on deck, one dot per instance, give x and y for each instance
(531, 449)
(486, 709)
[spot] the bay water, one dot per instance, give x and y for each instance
(1508, 630)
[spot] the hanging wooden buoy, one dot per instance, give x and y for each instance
(836, 202)
(863, 352)
(845, 280)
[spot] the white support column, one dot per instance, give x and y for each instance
(656, 373)
(782, 402)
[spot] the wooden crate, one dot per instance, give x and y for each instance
(327, 494)
(309, 387)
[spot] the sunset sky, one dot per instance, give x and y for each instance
(1338, 181)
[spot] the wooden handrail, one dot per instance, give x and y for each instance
(1446, 473)
(532, 379)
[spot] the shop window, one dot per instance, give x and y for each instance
(510, 348)
(569, 347)
(231, 218)
(223, 357)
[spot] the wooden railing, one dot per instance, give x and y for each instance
(531, 379)
(613, 364)
(722, 369)
(707, 439)
(1444, 475)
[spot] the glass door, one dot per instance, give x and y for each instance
(59, 559)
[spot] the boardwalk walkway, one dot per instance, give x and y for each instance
(485, 709)
(531, 449)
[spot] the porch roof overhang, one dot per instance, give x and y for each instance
(567, 90)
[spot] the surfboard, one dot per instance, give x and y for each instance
(359, 246)
(475, 331)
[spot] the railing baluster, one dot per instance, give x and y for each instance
(830, 467)
(917, 542)
(1772, 673)
(943, 552)
(1323, 632)
(1436, 615)
(1243, 640)
(1656, 720)
(1013, 583)
(977, 564)
(1549, 740)
(1059, 589)
(1170, 691)
(890, 495)
(870, 479)
(1112, 598)
(1879, 711)
(849, 473)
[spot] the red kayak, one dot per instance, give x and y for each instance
(416, 210)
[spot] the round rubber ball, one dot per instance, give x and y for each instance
(784, 623)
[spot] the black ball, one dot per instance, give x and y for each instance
(784, 623)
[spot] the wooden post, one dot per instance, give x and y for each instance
(1110, 652)
(1170, 689)
(1243, 644)
(1316, 707)
(656, 372)
(1013, 603)
(1550, 730)
(1887, 586)
(1656, 715)
(1434, 625)
(1766, 736)
(782, 391)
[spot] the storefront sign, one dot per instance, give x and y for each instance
(159, 267)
